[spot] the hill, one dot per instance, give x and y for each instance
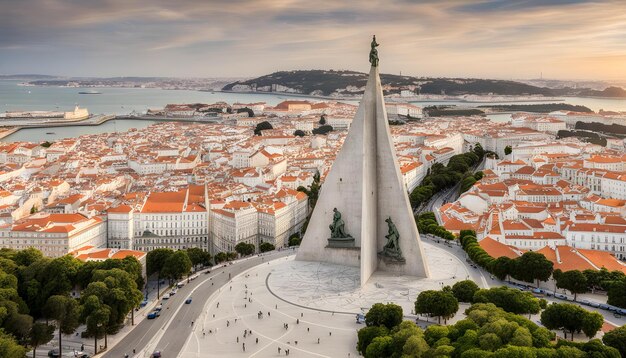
(349, 83)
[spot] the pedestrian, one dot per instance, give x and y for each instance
(307, 329)
(257, 340)
(82, 347)
(298, 321)
(268, 313)
(301, 314)
(296, 342)
(243, 345)
(278, 350)
(276, 306)
(203, 334)
(318, 340)
(235, 320)
(330, 333)
(237, 339)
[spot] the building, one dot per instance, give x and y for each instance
(55, 235)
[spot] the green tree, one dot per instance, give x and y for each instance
(617, 293)
(379, 348)
(220, 257)
(294, 239)
(502, 267)
(533, 266)
(574, 281)
(388, 315)
(244, 249)
(571, 318)
(437, 304)
(261, 127)
(155, 263)
(509, 299)
(9, 348)
(66, 312)
(508, 150)
(367, 334)
(490, 342)
(198, 257)
(266, 246)
(177, 265)
(616, 339)
(40, 333)
(464, 290)
(27, 256)
(466, 184)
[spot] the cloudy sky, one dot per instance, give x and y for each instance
(564, 39)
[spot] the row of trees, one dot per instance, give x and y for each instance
(427, 224)
(441, 177)
(487, 331)
(575, 281)
(33, 287)
(530, 267)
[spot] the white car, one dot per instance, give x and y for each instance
(166, 296)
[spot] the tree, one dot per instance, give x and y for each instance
(198, 257)
(27, 256)
(508, 150)
(571, 318)
(616, 339)
(155, 263)
(247, 110)
(367, 334)
(436, 304)
(509, 299)
(617, 293)
(262, 126)
(323, 129)
(388, 315)
(66, 312)
(466, 184)
(220, 257)
(573, 281)
(40, 333)
(380, 347)
(9, 348)
(479, 151)
(266, 246)
(244, 249)
(464, 290)
(299, 133)
(533, 266)
(502, 267)
(177, 265)
(294, 239)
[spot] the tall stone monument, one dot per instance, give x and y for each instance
(363, 217)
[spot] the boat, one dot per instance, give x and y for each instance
(89, 92)
(50, 133)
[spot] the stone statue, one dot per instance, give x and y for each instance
(337, 228)
(391, 249)
(374, 53)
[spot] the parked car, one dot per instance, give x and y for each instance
(143, 303)
(560, 296)
(603, 306)
(156, 354)
(54, 353)
(360, 318)
(585, 302)
(594, 304)
(188, 301)
(159, 307)
(172, 293)
(166, 296)
(180, 284)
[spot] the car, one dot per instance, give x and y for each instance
(537, 290)
(560, 296)
(159, 307)
(166, 296)
(585, 302)
(360, 318)
(594, 304)
(156, 354)
(603, 306)
(153, 314)
(172, 293)
(143, 303)
(180, 284)
(188, 301)
(54, 353)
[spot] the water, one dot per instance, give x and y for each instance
(116, 100)
(41, 134)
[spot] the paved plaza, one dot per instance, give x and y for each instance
(290, 305)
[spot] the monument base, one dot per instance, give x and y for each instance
(343, 242)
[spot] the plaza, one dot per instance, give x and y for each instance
(290, 304)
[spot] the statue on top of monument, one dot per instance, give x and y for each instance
(337, 228)
(374, 53)
(392, 247)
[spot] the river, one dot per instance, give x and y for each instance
(127, 100)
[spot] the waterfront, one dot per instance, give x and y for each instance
(41, 134)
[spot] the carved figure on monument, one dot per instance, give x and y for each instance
(392, 247)
(337, 228)
(338, 235)
(374, 53)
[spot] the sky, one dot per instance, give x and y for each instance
(563, 39)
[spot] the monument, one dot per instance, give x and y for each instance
(364, 201)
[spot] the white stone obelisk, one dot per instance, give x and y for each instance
(365, 185)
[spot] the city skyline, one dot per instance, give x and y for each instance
(561, 39)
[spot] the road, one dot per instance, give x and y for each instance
(169, 332)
